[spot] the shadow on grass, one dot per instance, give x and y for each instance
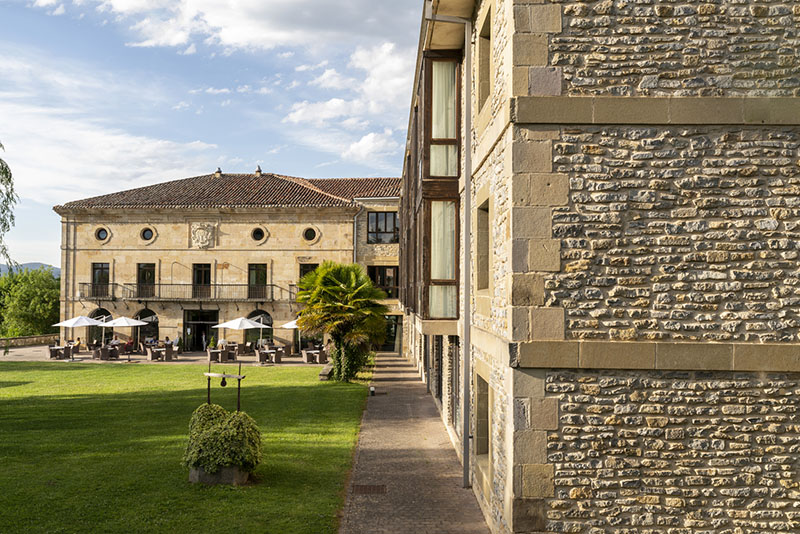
(12, 384)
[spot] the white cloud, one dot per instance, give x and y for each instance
(260, 24)
(380, 97)
(286, 55)
(58, 11)
(180, 105)
(191, 49)
(304, 68)
(372, 146)
(331, 79)
(217, 91)
(64, 136)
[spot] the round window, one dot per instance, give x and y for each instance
(309, 234)
(101, 234)
(147, 234)
(258, 234)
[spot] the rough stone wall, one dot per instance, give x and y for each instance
(493, 501)
(674, 453)
(678, 233)
(686, 48)
(493, 177)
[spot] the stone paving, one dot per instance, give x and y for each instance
(406, 476)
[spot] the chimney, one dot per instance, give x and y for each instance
(218, 173)
(258, 171)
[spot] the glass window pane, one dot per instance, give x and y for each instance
(372, 220)
(443, 240)
(444, 100)
(442, 302)
(444, 160)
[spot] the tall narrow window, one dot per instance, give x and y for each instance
(100, 279)
(485, 61)
(145, 280)
(482, 239)
(306, 268)
(257, 281)
(201, 280)
(444, 119)
(442, 295)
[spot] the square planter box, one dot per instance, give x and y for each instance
(226, 475)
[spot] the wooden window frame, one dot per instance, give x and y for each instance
(395, 232)
(427, 247)
(431, 57)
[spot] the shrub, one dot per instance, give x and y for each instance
(218, 438)
(212, 343)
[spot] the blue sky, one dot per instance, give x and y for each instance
(99, 96)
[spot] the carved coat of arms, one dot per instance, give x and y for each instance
(202, 235)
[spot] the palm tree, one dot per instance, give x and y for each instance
(7, 200)
(341, 301)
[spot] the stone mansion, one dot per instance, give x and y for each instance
(188, 254)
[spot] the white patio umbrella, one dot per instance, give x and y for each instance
(242, 323)
(79, 321)
(125, 322)
(290, 324)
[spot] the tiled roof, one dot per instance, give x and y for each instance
(243, 190)
(359, 187)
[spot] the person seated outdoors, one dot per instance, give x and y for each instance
(77, 343)
(167, 341)
(115, 342)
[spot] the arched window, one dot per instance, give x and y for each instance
(254, 334)
(149, 331)
(96, 334)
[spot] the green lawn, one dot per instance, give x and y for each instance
(97, 448)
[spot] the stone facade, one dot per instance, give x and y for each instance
(634, 203)
(677, 452)
(691, 48)
(223, 238)
(678, 233)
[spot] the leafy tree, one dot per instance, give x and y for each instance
(30, 302)
(341, 301)
(7, 200)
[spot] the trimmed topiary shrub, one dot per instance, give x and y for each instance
(218, 438)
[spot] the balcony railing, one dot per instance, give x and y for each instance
(187, 292)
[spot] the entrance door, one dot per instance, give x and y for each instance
(197, 329)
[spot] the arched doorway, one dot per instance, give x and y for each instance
(262, 317)
(98, 334)
(148, 331)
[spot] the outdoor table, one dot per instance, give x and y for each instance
(159, 353)
(213, 354)
(264, 354)
(58, 351)
(314, 353)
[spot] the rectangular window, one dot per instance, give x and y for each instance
(482, 246)
(385, 277)
(306, 268)
(485, 61)
(201, 280)
(257, 281)
(145, 280)
(444, 119)
(383, 227)
(100, 279)
(443, 293)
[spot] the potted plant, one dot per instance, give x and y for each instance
(224, 447)
(180, 345)
(212, 344)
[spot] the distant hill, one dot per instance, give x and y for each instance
(32, 266)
